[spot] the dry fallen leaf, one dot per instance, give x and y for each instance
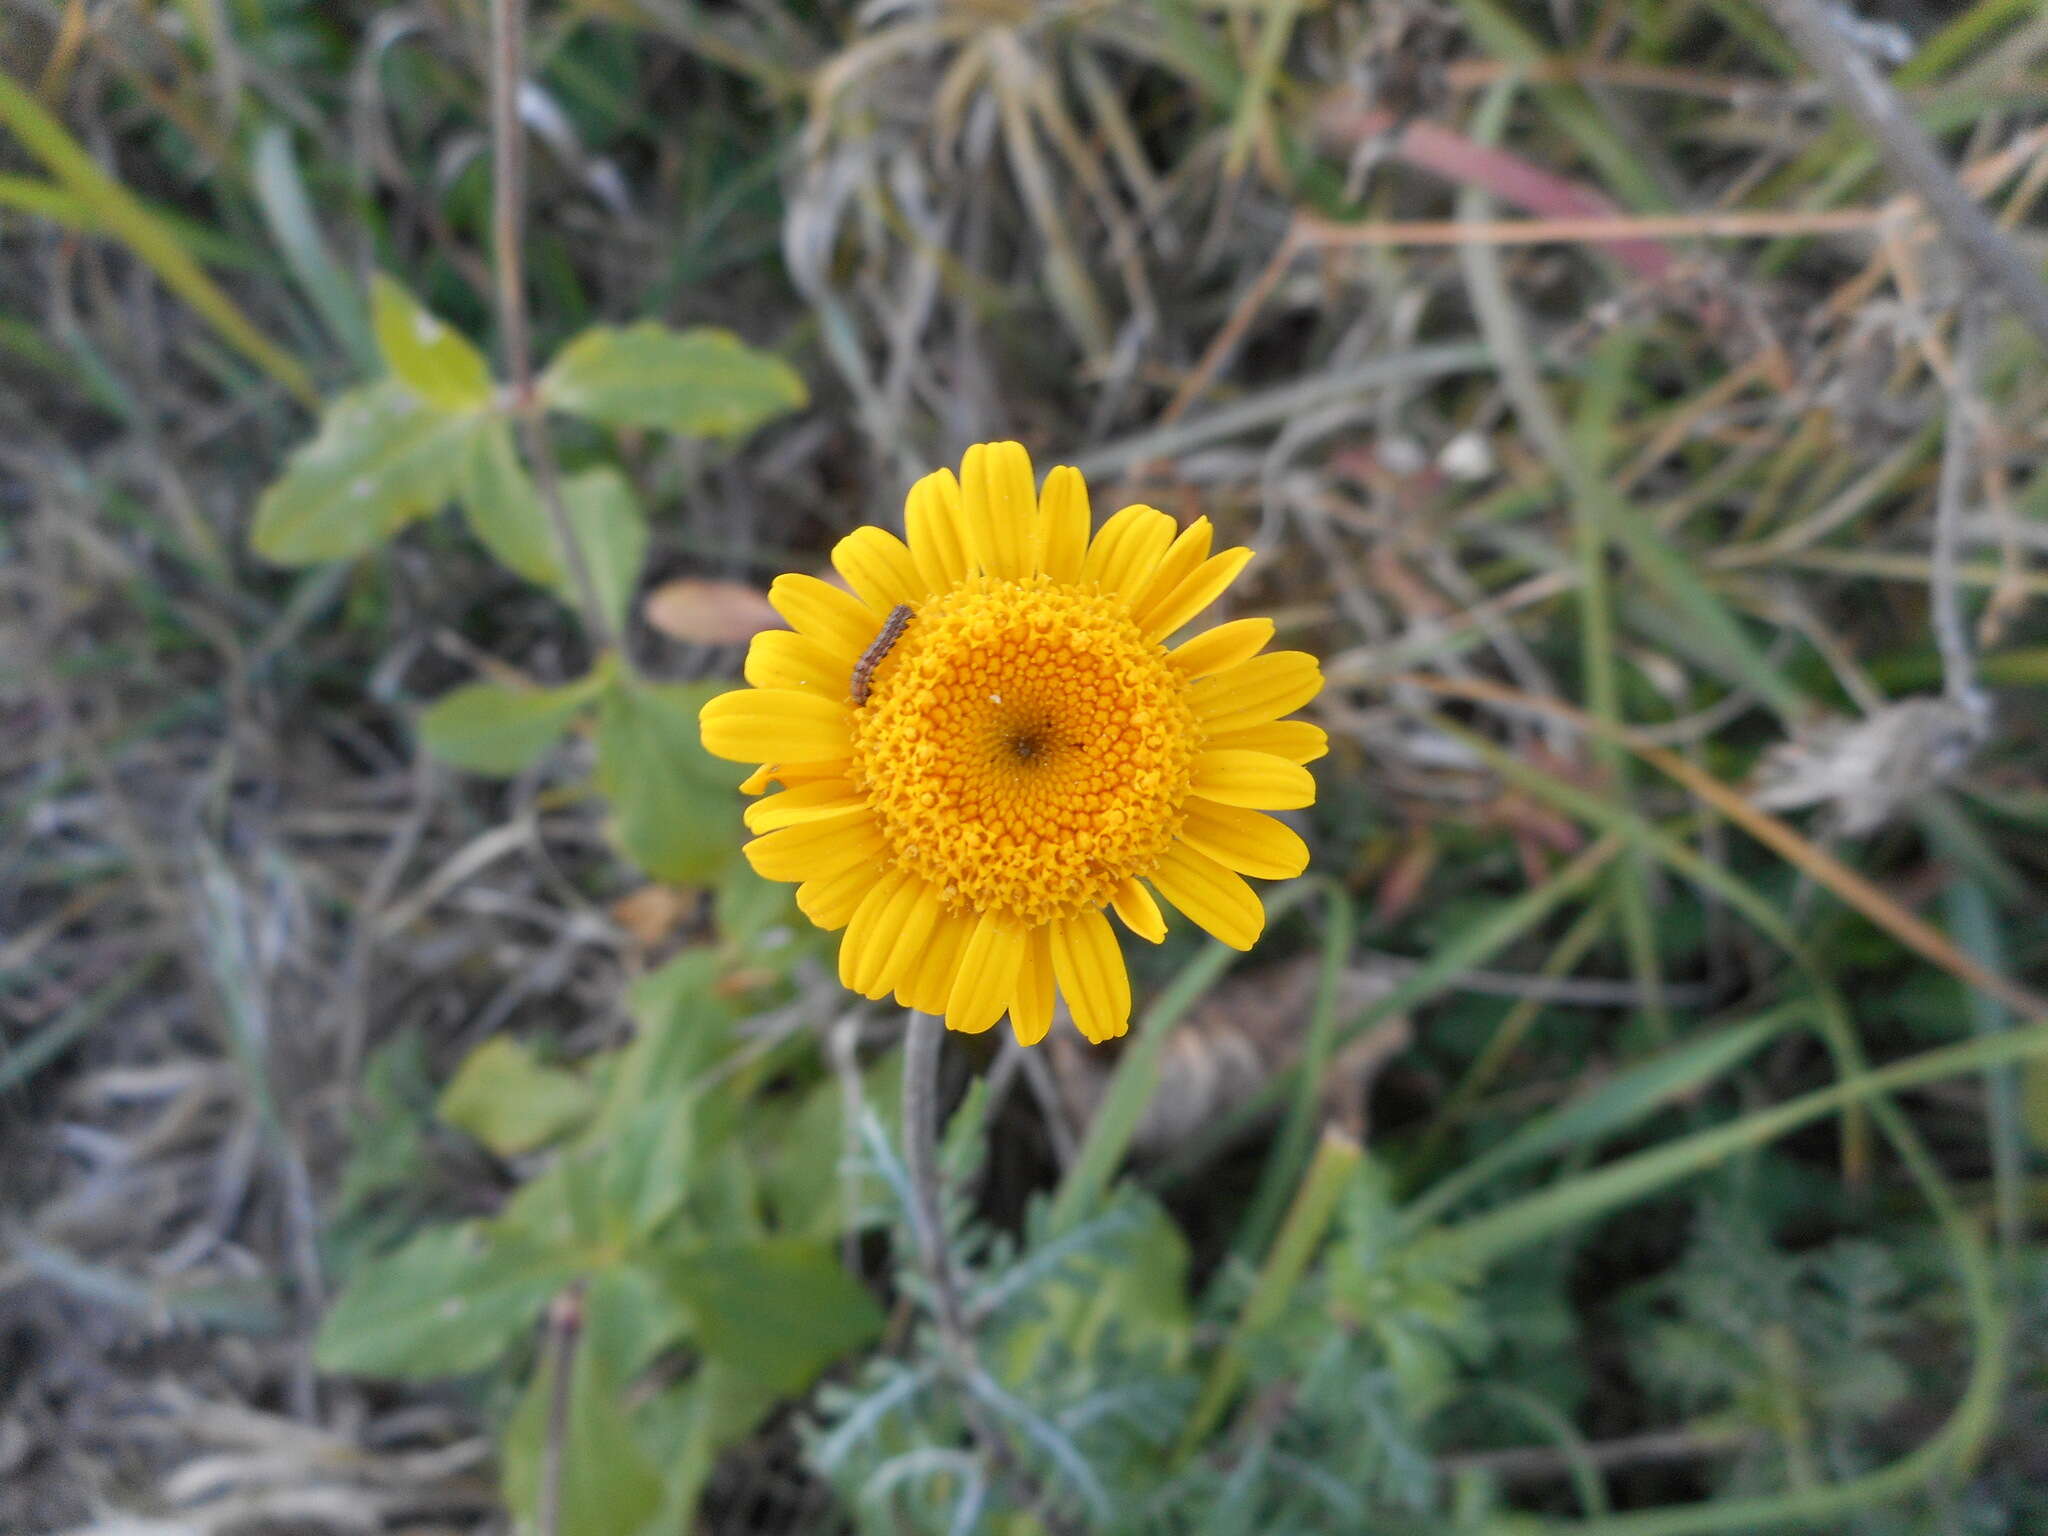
(1220, 1057)
(652, 913)
(710, 612)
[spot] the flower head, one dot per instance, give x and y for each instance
(988, 742)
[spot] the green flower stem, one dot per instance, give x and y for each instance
(1300, 1235)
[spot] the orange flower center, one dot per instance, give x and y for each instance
(1025, 749)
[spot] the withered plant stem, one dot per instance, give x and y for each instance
(508, 222)
(565, 1330)
(1855, 83)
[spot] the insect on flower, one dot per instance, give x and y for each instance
(1034, 756)
(883, 643)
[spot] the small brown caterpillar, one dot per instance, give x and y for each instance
(884, 642)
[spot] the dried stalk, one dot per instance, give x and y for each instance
(1855, 83)
(508, 216)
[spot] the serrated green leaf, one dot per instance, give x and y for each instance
(379, 460)
(511, 1103)
(609, 1485)
(449, 1302)
(503, 508)
(672, 802)
(612, 531)
(435, 362)
(699, 383)
(491, 728)
(780, 1310)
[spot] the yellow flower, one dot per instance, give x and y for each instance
(968, 786)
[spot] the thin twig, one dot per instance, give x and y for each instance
(1740, 224)
(508, 191)
(1856, 85)
(565, 1328)
(1524, 1463)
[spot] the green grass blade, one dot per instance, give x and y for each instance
(289, 213)
(1137, 1076)
(1472, 948)
(117, 210)
(1291, 1147)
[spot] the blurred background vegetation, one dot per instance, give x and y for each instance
(415, 1118)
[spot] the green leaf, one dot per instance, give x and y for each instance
(503, 508)
(449, 1302)
(754, 913)
(379, 460)
(609, 1485)
(699, 383)
(675, 813)
(648, 1165)
(437, 363)
(510, 1102)
(799, 1150)
(492, 728)
(681, 1028)
(779, 1310)
(612, 531)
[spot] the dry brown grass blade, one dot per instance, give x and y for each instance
(1736, 225)
(1815, 862)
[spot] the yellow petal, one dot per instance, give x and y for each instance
(1141, 914)
(1063, 521)
(1298, 741)
(1258, 781)
(1220, 903)
(930, 983)
(931, 516)
(762, 725)
(815, 850)
(1183, 556)
(917, 922)
(987, 977)
(1246, 841)
(865, 945)
(1091, 974)
(837, 620)
(819, 801)
(1127, 549)
(1194, 592)
(831, 902)
(792, 774)
(877, 565)
(782, 658)
(1031, 1001)
(1225, 646)
(886, 934)
(999, 508)
(1259, 690)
